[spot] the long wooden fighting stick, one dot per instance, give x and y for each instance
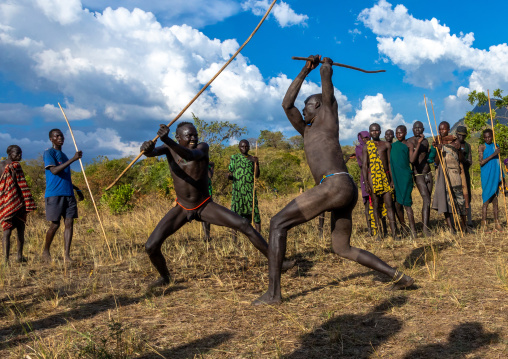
(86, 180)
(200, 92)
(254, 184)
(456, 217)
(452, 202)
(499, 157)
(341, 65)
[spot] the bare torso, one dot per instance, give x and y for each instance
(421, 166)
(321, 144)
(190, 178)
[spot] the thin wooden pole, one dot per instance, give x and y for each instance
(200, 92)
(499, 157)
(340, 65)
(254, 185)
(456, 217)
(452, 202)
(86, 181)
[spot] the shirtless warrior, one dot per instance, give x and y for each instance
(335, 190)
(422, 173)
(188, 161)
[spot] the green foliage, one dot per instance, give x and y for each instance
(118, 198)
(273, 139)
(35, 177)
(296, 142)
(476, 122)
(280, 173)
(216, 132)
(154, 174)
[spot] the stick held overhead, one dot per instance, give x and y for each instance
(340, 65)
(201, 91)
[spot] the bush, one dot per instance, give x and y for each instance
(118, 199)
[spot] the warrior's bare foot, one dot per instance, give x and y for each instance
(401, 281)
(161, 282)
(470, 230)
(288, 264)
(498, 227)
(267, 299)
(426, 232)
(68, 260)
(46, 257)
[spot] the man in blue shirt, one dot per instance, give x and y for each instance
(59, 196)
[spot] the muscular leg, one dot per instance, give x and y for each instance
(387, 198)
(258, 227)
(68, 232)
(169, 224)
(425, 189)
(21, 241)
(411, 219)
(6, 240)
(495, 208)
(375, 206)
(300, 210)
(449, 222)
(367, 216)
(221, 216)
(50, 235)
(399, 211)
(206, 230)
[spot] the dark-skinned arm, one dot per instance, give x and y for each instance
(78, 191)
(469, 159)
(149, 150)
(388, 153)
(492, 156)
(57, 169)
(326, 82)
(288, 104)
(413, 156)
(186, 153)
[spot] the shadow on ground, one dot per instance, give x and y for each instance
(419, 256)
(351, 335)
(193, 349)
(463, 339)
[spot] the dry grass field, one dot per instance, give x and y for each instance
(99, 307)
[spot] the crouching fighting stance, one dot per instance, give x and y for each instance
(335, 190)
(188, 162)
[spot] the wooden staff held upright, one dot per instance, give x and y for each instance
(456, 220)
(86, 181)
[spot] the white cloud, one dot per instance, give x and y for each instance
(196, 13)
(373, 109)
(282, 12)
(63, 11)
(429, 54)
(456, 106)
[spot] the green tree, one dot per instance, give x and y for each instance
(296, 142)
(273, 139)
(216, 132)
(477, 122)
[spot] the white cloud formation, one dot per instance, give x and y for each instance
(63, 11)
(282, 12)
(373, 109)
(456, 106)
(195, 13)
(429, 54)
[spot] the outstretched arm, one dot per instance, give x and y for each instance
(293, 114)
(365, 169)
(149, 150)
(326, 82)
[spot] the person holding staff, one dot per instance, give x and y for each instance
(488, 156)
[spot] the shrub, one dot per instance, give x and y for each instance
(118, 199)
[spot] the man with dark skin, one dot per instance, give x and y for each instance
(241, 172)
(188, 162)
(59, 196)
(389, 135)
(402, 154)
(335, 191)
(14, 195)
(383, 151)
(490, 176)
(206, 225)
(449, 148)
(421, 170)
(468, 161)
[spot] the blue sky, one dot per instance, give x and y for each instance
(120, 68)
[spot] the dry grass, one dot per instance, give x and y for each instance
(99, 308)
